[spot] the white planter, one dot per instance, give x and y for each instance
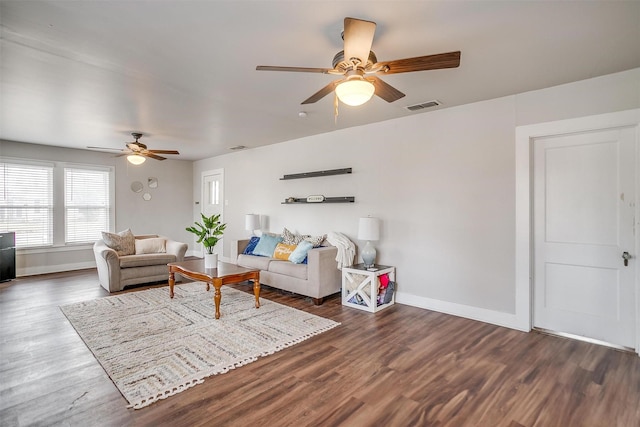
(210, 260)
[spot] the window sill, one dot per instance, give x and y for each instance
(55, 248)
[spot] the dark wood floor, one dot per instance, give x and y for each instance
(401, 367)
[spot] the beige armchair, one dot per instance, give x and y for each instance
(115, 272)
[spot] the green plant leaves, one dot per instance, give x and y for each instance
(209, 232)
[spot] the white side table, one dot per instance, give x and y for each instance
(360, 287)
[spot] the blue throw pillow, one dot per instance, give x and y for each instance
(251, 245)
(267, 245)
(299, 254)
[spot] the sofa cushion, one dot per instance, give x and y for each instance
(283, 251)
(251, 245)
(124, 242)
(252, 261)
(267, 245)
(316, 241)
(300, 253)
(290, 238)
(144, 260)
(154, 245)
(289, 269)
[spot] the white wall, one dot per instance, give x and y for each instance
(167, 213)
(442, 183)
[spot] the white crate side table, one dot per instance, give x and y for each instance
(363, 284)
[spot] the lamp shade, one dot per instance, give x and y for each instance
(251, 222)
(369, 229)
(355, 91)
(135, 159)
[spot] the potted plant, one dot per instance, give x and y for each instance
(209, 233)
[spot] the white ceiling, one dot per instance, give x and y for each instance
(88, 73)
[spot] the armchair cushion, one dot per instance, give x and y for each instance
(123, 242)
(152, 245)
(142, 260)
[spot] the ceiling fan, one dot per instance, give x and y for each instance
(136, 151)
(360, 67)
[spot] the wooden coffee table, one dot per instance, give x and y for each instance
(225, 274)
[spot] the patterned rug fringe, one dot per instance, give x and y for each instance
(168, 393)
(298, 340)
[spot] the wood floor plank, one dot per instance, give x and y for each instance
(403, 366)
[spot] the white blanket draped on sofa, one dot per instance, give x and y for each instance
(346, 248)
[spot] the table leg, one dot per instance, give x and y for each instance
(217, 296)
(172, 282)
(256, 291)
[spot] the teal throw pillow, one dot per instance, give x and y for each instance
(300, 252)
(267, 245)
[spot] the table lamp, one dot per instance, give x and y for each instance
(369, 230)
(252, 222)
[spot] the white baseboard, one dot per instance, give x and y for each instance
(46, 269)
(499, 318)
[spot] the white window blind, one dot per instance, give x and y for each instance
(87, 205)
(26, 203)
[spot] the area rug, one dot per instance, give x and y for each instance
(153, 347)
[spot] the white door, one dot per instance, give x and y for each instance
(584, 204)
(213, 197)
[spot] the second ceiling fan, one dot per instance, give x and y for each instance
(136, 151)
(360, 67)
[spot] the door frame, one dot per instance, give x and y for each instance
(525, 137)
(203, 199)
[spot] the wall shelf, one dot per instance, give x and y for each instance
(299, 201)
(317, 173)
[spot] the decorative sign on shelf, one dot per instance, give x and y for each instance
(315, 199)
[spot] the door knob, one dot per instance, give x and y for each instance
(626, 257)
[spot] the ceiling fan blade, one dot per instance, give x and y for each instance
(321, 93)
(294, 69)
(358, 37)
(151, 155)
(105, 148)
(420, 63)
(163, 151)
(385, 90)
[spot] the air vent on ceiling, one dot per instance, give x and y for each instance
(238, 147)
(424, 105)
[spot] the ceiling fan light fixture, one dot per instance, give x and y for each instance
(355, 91)
(135, 159)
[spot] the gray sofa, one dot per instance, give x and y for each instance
(317, 279)
(115, 272)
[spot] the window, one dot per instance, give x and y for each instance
(52, 204)
(86, 204)
(26, 203)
